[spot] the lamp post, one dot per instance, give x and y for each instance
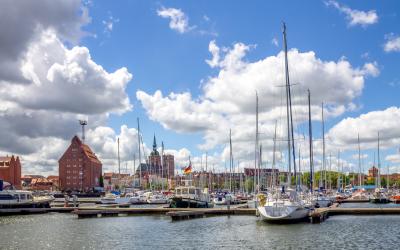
(83, 123)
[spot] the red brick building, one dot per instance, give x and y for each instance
(10, 170)
(169, 165)
(79, 167)
(372, 173)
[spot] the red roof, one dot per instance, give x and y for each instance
(86, 150)
(53, 177)
(5, 158)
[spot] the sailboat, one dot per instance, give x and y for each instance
(379, 195)
(321, 199)
(286, 206)
(253, 203)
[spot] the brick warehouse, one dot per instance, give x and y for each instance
(10, 170)
(79, 167)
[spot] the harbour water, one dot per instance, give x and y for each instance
(65, 231)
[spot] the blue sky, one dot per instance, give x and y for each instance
(163, 59)
(137, 36)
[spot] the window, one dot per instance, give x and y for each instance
(68, 165)
(6, 197)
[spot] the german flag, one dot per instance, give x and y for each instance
(188, 169)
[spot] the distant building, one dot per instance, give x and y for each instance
(27, 179)
(262, 171)
(79, 167)
(112, 180)
(10, 170)
(155, 167)
(169, 165)
(55, 180)
(372, 172)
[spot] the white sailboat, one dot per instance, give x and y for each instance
(286, 206)
(279, 208)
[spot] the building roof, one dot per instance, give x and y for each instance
(41, 181)
(86, 150)
(31, 176)
(373, 168)
(5, 158)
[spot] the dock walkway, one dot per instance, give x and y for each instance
(173, 212)
(321, 214)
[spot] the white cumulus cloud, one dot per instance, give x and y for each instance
(178, 19)
(227, 100)
(392, 43)
(355, 17)
(385, 122)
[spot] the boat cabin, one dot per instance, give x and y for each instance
(15, 197)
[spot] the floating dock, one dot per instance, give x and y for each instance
(17, 211)
(175, 213)
(321, 214)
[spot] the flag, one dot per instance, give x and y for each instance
(188, 169)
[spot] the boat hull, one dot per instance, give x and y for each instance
(379, 200)
(178, 202)
(41, 204)
(289, 214)
(323, 203)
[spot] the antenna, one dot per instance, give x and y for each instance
(83, 123)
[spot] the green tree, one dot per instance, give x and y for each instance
(249, 184)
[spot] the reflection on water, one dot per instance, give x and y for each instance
(65, 231)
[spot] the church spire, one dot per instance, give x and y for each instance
(154, 143)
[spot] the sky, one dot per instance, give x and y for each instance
(190, 71)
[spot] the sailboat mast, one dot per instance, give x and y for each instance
(299, 173)
(287, 107)
(134, 167)
(230, 160)
(310, 143)
(330, 171)
(290, 106)
(379, 165)
(256, 159)
(140, 159)
(323, 146)
(259, 167)
(208, 175)
(359, 160)
(274, 159)
(162, 165)
(119, 161)
(338, 169)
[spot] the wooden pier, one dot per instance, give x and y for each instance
(353, 201)
(321, 214)
(21, 211)
(175, 213)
